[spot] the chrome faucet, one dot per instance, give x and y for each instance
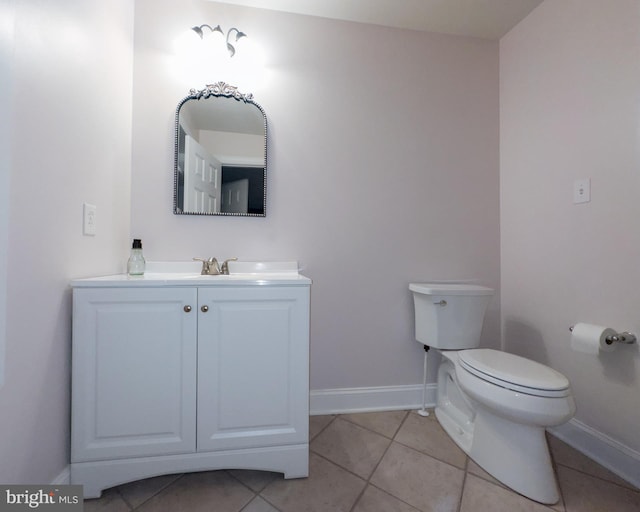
(211, 267)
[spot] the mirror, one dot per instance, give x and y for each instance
(220, 154)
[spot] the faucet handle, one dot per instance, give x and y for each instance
(225, 266)
(206, 266)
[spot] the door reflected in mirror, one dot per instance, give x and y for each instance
(220, 154)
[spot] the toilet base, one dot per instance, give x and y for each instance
(523, 463)
(514, 453)
(518, 456)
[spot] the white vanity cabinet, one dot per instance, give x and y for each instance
(179, 374)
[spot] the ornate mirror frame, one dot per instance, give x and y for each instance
(223, 90)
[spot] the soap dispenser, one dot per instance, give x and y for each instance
(136, 263)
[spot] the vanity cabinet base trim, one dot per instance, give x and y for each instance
(292, 460)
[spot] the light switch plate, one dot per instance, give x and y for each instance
(89, 219)
(582, 191)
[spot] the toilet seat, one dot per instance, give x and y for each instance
(514, 372)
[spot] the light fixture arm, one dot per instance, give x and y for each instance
(230, 47)
(200, 32)
(232, 51)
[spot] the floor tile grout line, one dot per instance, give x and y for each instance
(165, 487)
(258, 494)
(404, 420)
(408, 412)
(255, 493)
(367, 480)
(465, 470)
(162, 489)
(464, 484)
(265, 498)
(507, 489)
(262, 498)
(335, 416)
(557, 463)
(126, 501)
(433, 456)
(502, 486)
(229, 472)
(267, 501)
(351, 472)
(391, 441)
(359, 497)
(629, 486)
(392, 495)
(375, 468)
(431, 411)
(343, 417)
(363, 427)
(557, 476)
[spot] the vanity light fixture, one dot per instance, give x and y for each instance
(217, 28)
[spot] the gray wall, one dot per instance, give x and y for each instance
(383, 169)
(70, 65)
(383, 163)
(569, 98)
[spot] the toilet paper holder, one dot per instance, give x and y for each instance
(620, 337)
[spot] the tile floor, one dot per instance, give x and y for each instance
(374, 462)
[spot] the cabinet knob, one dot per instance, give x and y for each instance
(204, 308)
(187, 309)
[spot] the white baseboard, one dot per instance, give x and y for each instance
(352, 400)
(64, 478)
(613, 455)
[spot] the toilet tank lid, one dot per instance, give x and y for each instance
(514, 369)
(449, 289)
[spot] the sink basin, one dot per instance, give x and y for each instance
(263, 267)
(192, 269)
(238, 269)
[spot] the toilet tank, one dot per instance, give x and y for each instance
(449, 316)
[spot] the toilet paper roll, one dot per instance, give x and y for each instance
(591, 339)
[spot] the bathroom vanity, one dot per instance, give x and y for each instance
(176, 372)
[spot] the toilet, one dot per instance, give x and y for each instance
(494, 405)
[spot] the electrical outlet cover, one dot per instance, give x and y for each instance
(88, 219)
(582, 191)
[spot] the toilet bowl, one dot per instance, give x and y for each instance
(494, 405)
(503, 429)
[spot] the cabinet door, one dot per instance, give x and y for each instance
(253, 367)
(134, 372)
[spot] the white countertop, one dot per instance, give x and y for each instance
(242, 273)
